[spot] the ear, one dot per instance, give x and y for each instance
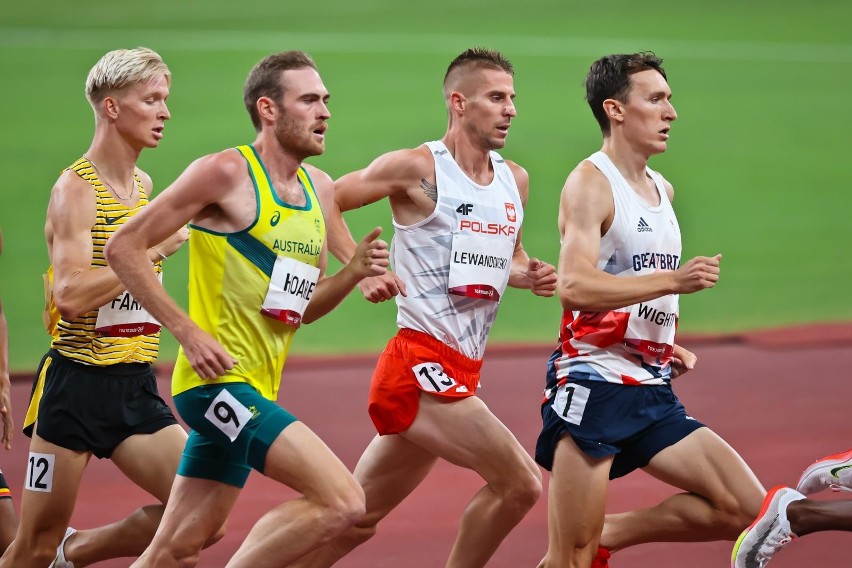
(457, 101)
(266, 108)
(109, 107)
(614, 110)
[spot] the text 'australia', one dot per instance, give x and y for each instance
(297, 247)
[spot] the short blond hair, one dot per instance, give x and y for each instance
(122, 68)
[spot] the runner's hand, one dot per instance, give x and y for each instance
(697, 274)
(542, 277)
(171, 245)
(206, 355)
(383, 287)
(371, 256)
(683, 360)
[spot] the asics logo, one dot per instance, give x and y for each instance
(275, 218)
(836, 470)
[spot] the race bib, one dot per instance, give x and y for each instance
(651, 330)
(228, 414)
(290, 289)
(40, 472)
(125, 317)
(432, 378)
(570, 402)
(479, 266)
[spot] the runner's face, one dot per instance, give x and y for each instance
(648, 111)
(303, 113)
(491, 107)
(142, 111)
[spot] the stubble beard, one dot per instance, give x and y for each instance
(293, 140)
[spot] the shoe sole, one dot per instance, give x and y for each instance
(828, 462)
(767, 501)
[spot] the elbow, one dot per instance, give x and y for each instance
(573, 297)
(68, 309)
(110, 253)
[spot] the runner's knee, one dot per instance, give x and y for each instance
(523, 489)
(344, 511)
(180, 553)
(42, 555)
(39, 550)
(359, 533)
(735, 515)
(217, 536)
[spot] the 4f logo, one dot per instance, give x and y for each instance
(275, 218)
(510, 212)
(464, 208)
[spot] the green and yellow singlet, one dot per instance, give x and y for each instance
(229, 276)
(77, 339)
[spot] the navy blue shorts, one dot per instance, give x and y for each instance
(632, 423)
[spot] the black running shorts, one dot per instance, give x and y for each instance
(88, 408)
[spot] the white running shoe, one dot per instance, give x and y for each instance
(60, 561)
(768, 533)
(831, 472)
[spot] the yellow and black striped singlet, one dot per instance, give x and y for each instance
(229, 276)
(77, 339)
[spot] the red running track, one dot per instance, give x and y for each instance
(780, 398)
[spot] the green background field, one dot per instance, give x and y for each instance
(758, 157)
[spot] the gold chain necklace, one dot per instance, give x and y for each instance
(109, 185)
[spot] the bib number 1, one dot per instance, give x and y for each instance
(570, 402)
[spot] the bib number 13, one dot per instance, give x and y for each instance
(432, 378)
(570, 402)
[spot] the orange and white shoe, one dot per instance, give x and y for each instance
(768, 533)
(831, 472)
(601, 559)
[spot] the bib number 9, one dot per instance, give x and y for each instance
(228, 414)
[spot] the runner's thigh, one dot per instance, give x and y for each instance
(466, 433)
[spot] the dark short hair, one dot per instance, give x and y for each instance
(480, 58)
(609, 78)
(264, 80)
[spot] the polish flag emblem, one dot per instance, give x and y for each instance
(510, 212)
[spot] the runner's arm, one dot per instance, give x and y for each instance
(529, 273)
(393, 175)
(586, 208)
(202, 184)
(77, 287)
(369, 258)
(5, 385)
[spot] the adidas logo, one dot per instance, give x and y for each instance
(643, 226)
